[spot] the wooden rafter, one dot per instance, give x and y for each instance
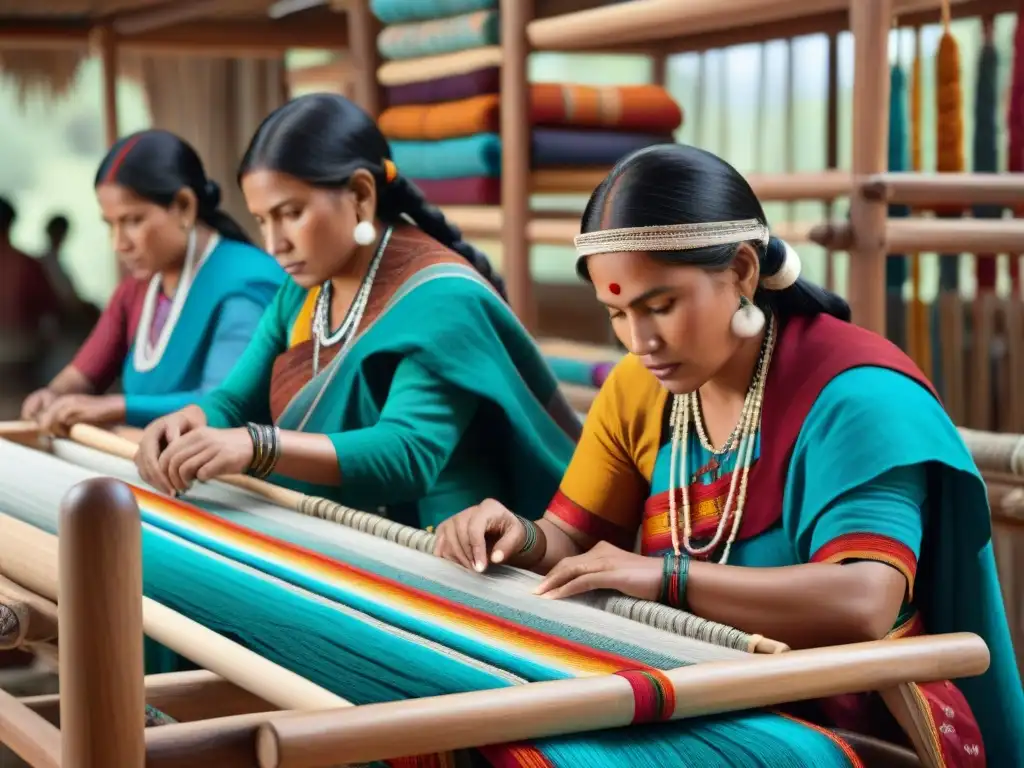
(220, 36)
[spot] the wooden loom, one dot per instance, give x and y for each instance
(85, 589)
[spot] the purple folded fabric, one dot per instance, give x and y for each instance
(452, 88)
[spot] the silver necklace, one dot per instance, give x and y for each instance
(322, 335)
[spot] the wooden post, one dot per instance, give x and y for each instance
(362, 42)
(515, 159)
(870, 22)
(102, 690)
(106, 42)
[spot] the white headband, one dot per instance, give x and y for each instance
(688, 237)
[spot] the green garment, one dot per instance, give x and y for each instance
(429, 411)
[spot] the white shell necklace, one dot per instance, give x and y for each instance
(148, 355)
(686, 408)
(322, 336)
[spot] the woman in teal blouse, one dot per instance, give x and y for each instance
(389, 374)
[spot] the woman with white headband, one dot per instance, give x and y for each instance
(784, 471)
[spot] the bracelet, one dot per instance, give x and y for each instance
(266, 449)
(531, 534)
(673, 580)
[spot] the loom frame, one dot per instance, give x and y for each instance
(244, 719)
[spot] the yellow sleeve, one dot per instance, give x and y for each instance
(608, 480)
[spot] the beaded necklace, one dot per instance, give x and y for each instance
(686, 408)
(322, 337)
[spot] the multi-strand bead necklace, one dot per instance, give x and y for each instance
(322, 335)
(686, 408)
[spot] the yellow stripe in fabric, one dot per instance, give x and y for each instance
(302, 328)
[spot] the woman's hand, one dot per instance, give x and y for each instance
(157, 437)
(204, 454)
(486, 533)
(604, 567)
(67, 410)
(37, 403)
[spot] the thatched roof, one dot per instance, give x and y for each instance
(43, 42)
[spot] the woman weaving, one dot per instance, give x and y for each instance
(388, 373)
(196, 288)
(753, 427)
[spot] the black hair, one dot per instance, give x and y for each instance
(679, 184)
(323, 138)
(7, 216)
(156, 165)
(58, 226)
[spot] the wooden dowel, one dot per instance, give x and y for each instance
(185, 696)
(36, 615)
(28, 735)
(28, 556)
(923, 235)
(537, 710)
(13, 430)
(222, 742)
(102, 702)
(927, 189)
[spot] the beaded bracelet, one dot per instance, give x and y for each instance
(266, 449)
(673, 580)
(531, 535)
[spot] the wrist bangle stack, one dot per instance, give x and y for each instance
(531, 535)
(673, 580)
(266, 449)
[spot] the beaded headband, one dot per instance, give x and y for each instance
(670, 237)
(688, 237)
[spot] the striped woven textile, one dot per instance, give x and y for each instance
(373, 621)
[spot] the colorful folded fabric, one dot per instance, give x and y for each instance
(478, 190)
(639, 108)
(452, 88)
(428, 68)
(480, 154)
(431, 38)
(402, 11)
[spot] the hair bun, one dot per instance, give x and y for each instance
(780, 266)
(211, 195)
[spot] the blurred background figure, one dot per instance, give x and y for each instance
(30, 312)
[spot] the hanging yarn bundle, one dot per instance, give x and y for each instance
(919, 340)
(896, 264)
(949, 138)
(986, 137)
(1015, 129)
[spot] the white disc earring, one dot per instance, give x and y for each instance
(364, 233)
(748, 320)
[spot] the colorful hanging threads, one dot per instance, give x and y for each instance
(986, 138)
(918, 335)
(949, 137)
(1015, 129)
(896, 264)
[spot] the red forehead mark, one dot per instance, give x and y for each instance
(614, 288)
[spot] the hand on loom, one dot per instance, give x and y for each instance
(67, 410)
(168, 464)
(486, 533)
(605, 566)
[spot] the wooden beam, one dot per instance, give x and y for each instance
(165, 14)
(214, 37)
(830, 23)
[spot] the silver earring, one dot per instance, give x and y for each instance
(364, 233)
(748, 320)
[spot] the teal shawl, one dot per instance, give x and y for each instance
(476, 345)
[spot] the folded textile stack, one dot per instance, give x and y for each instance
(441, 79)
